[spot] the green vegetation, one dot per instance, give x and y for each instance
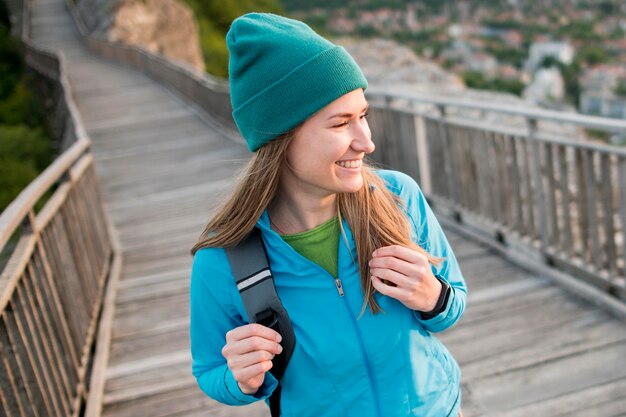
(214, 18)
(600, 135)
(506, 54)
(476, 80)
(25, 144)
(577, 30)
(620, 88)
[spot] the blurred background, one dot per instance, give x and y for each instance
(563, 55)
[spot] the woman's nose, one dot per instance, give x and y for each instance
(362, 139)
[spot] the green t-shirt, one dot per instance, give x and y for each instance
(319, 245)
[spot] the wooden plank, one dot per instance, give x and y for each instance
(448, 164)
(28, 358)
(566, 241)
(529, 204)
(492, 177)
(97, 221)
(551, 378)
(114, 116)
(55, 313)
(194, 141)
(408, 158)
(148, 383)
(502, 180)
(538, 149)
(462, 163)
(185, 401)
(609, 246)
(75, 242)
(150, 364)
(134, 311)
(101, 357)
(582, 208)
(83, 250)
(591, 185)
(516, 189)
(622, 209)
(515, 313)
(16, 396)
(130, 349)
(67, 280)
(543, 341)
(550, 194)
(41, 341)
(600, 400)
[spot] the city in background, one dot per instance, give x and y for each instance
(561, 55)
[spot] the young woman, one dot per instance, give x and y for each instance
(359, 261)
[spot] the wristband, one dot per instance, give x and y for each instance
(442, 301)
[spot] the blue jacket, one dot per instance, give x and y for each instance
(381, 365)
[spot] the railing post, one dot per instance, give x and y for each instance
(29, 226)
(538, 180)
(443, 135)
(423, 153)
(622, 211)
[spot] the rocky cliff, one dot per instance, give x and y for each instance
(165, 27)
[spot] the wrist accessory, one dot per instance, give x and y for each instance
(442, 301)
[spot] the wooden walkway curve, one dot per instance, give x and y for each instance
(526, 347)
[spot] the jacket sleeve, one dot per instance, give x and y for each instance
(430, 236)
(213, 314)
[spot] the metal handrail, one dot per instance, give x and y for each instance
(583, 120)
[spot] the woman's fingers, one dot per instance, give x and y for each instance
(249, 351)
(252, 376)
(390, 275)
(251, 344)
(405, 261)
(250, 359)
(253, 329)
(400, 252)
(394, 292)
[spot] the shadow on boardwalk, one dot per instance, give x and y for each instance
(526, 347)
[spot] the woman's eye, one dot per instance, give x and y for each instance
(363, 116)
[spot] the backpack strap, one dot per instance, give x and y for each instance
(248, 261)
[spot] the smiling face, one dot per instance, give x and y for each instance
(326, 153)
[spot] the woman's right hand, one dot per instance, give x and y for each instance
(249, 351)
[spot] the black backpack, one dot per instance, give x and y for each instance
(248, 261)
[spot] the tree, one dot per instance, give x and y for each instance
(214, 19)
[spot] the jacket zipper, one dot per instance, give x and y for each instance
(340, 291)
(366, 359)
(339, 286)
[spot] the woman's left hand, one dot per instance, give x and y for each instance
(416, 286)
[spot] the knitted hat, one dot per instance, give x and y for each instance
(281, 73)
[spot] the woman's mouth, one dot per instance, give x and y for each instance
(355, 163)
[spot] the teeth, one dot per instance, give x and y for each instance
(349, 164)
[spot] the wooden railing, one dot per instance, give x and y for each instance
(549, 200)
(52, 287)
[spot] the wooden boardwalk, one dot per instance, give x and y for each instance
(526, 347)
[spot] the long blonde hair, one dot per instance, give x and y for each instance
(373, 213)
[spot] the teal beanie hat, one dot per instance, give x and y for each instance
(281, 72)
